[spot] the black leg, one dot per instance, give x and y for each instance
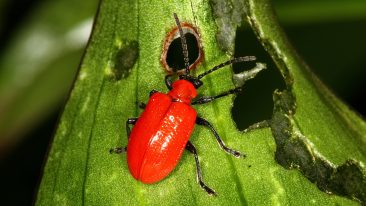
(204, 122)
(133, 121)
(142, 105)
(153, 92)
(204, 99)
(168, 82)
(190, 147)
(119, 150)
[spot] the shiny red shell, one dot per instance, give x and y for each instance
(157, 140)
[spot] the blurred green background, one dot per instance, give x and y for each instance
(42, 43)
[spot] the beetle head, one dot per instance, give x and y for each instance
(194, 80)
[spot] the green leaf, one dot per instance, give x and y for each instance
(312, 130)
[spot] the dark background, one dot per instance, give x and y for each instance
(335, 49)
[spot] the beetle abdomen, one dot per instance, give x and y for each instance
(168, 143)
(144, 128)
(157, 140)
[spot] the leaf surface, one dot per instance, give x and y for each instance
(80, 170)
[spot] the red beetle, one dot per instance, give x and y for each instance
(162, 132)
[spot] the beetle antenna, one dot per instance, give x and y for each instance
(184, 44)
(231, 61)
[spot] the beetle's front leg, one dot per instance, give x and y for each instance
(119, 150)
(201, 121)
(153, 92)
(190, 147)
(168, 82)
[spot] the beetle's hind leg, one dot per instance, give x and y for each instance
(119, 150)
(201, 121)
(129, 121)
(190, 147)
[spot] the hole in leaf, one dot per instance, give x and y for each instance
(255, 103)
(172, 57)
(175, 58)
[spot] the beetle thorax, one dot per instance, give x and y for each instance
(183, 91)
